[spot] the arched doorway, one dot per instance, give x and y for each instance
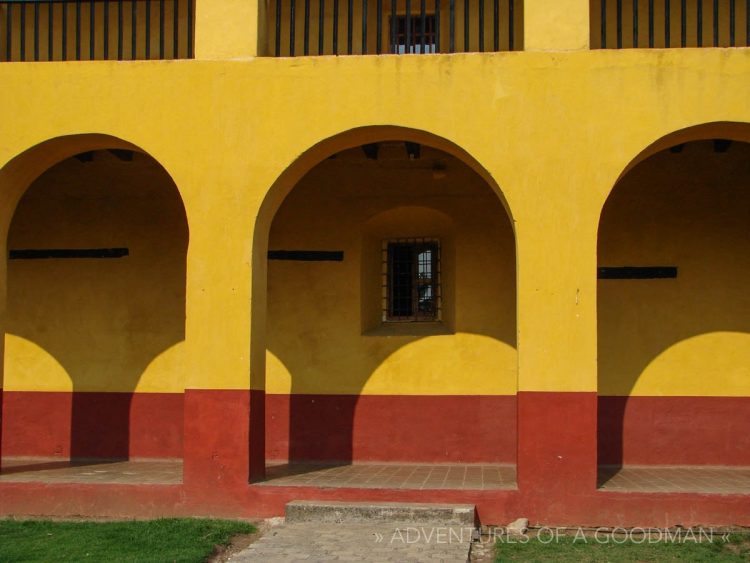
(673, 306)
(391, 324)
(97, 249)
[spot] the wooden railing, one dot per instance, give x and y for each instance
(618, 24)
(65, 30)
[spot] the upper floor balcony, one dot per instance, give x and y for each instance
(64, 30)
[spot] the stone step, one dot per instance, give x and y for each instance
(337, 511)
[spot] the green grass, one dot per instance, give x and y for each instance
(568, 549)
(142, 541)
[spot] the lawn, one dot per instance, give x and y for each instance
(573, 549)
(174, 539)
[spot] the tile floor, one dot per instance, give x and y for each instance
(393, 476)
(54, 470)
(675, 479)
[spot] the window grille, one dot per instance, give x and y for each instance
(411, 280)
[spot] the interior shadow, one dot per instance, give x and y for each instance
(688, 208)
(101, 320)
(327, 336)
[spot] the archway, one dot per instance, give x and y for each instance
(352, 375)
(673, 306)
(95, 317)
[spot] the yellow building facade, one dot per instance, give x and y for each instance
(199, 264)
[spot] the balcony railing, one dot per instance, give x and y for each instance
(363, 27)
(618, 24)
(64, 30)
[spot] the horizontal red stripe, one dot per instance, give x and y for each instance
(468, 429)
(674, 430)
(118, 425)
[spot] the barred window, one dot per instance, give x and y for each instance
(411, 280)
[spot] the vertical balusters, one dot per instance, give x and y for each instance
(64, 35)
(651, 24)
(635, 23)
(408, 26)
(36, 31)
(364, 27)
(120, 26)
(148, 29)
(699, 23)
(306, 29)
(50, 31)
(292, 25)
(452, 25)
(496, 25)
(106, 29)
(603, 23)
(335, 27)
(190, 30)
(394, 29)
(349, 26)
(176, 29)
(683, 23)
(277, 38)
(511, 25)
(321, 25)
(732, 18)
(667, 24)
(619, 24)
(480, 35)
(423, 24)
(78, 30)
(92, 31)
(162, 30)
(437, 26)
(379, 31)
(133, 32)
(716, 23)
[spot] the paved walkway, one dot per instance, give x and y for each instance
(361, 541)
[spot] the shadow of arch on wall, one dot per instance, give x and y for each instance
(672, 380)
(82, 332)
(330, 426)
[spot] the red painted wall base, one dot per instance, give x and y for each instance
(90, 425)
(435, 429)
(674, 430)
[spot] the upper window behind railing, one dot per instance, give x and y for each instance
(365, 27)
(617, 24)
(69, 30)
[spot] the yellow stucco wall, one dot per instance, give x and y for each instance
(98, 324)
(325, 329)
(552, 131)
(689, 335)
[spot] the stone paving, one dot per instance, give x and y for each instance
(361, 541)
(394, 476)
(675, 479)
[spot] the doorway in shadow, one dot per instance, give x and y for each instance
(345, 383)
(96, 311)
(674, 350)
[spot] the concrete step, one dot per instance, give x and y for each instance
(336, 511)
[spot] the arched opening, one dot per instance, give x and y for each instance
(391, 323)
(674, 313)
(95, 312)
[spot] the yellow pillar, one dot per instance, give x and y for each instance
(562, 25)
(228, 29)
